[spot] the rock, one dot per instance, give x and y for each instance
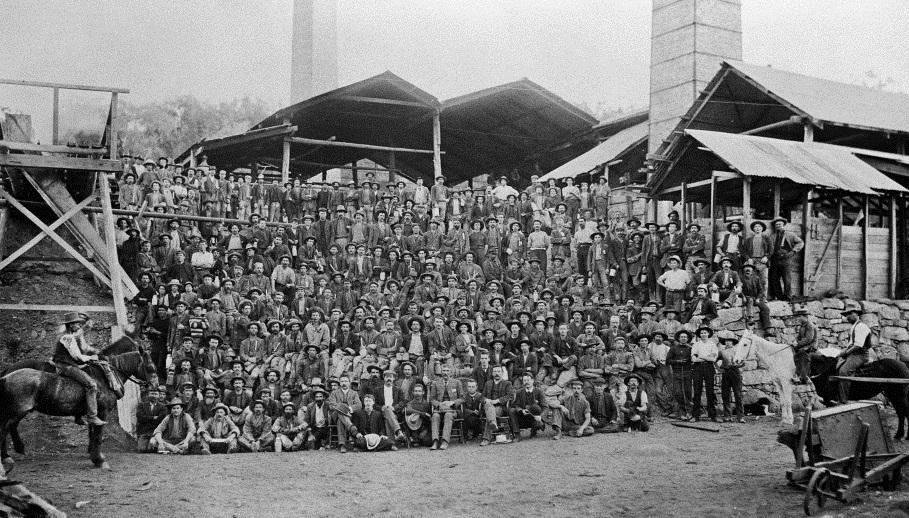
(815, 308)
(835, 304)
(750, 396)
(903, 305)
(898, 334)
(841, 327)
(890, 312)
(738, 325)
(775, 322)
(779, 308)
(756, 377)
(725, 316)
(886, 351)
(832, 314)
(871, 319)
(870, 307)
(902, 351)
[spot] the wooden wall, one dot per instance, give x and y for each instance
(851, 267)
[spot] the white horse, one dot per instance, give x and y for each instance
(778, 359)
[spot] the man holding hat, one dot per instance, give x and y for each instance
(176, 432)
(370, 427)
(218, 433)
(785, 246)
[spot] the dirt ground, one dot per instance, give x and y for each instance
(666, 472)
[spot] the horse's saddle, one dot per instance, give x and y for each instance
(97, 370)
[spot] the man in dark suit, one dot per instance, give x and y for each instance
(499, 393)
(391, 400)
(472, 409)
(527, 408)
(318, 419)
(149, 415)
(785, 246)
(369, 423)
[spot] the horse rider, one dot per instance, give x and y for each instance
(856, 353)
(71, 354)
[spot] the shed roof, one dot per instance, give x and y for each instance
(832, 101)
(807, 163)
(604, 152)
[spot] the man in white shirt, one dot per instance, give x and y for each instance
(704, 353)
(856, 352)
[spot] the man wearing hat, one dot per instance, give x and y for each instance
(702, 309)
(635, 405)
(257, 435)
(785, 245)
(855, 354)
(149, 414)
(176, 432)
(728, 282)
(753, 293)
(289, 429)
(694, 247)
(805, 343)
(732, 245)
(758, 248)
(731, 380)
(652, 254)
(71, 354)
(704, 353)
(218, 433)
(679, 360)
(318, 419)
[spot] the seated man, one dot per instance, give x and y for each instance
(219, 433)
(603, 413)
(289, 429)
(237, 399)
(472, 410)
(417, 415)
(257, 434)
(176, 432)
(526, 410)
(318, 420)
(855, 354)
(369, 426)
(149, 415)
(445, 394)
(391, 400)
(573, 414)
(343, 402)
(498, 394)
(634, 405)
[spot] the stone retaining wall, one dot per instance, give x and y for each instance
(889, 319)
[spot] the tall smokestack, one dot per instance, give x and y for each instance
(690, 39)
(314, 61)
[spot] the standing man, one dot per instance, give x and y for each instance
(785, 246)
(439, 196)
(704, 353)
(805, 344)
(758, 247)
(583, 239)
(652, 255)
(732, 245)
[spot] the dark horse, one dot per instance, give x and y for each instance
(823, 367)
(34, 385)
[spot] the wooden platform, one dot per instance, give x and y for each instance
(862, 379)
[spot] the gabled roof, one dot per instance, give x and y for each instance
(806, 163)
(831, 101)
(604, 152)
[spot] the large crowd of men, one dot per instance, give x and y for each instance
(295, 316)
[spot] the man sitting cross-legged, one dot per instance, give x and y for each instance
(289, 428)
(498, 394)
(219, 433)
(257, 435)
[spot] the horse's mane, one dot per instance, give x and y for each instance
(123, 345)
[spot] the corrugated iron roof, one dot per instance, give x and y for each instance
(832, 101)
(807, 163)
(605, 151)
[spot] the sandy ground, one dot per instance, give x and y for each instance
(666, 472)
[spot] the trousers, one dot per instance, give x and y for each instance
(703, 379)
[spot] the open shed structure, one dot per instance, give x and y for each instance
(829, 157)
(514, 129)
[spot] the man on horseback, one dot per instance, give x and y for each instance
(71, 354)
(856, 353)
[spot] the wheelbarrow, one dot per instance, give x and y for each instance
(848, 450)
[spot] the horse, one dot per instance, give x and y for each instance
(822, 367)
(35, 386)
(779, 360)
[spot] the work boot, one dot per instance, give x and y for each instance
(435, 445)
(91, 404)
(94, 420)
(444, 445)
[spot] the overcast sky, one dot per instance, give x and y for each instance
(591, 51)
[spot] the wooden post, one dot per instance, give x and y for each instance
(712, 214)
(865, 273)
(4, 220)
(113, 126)
(684, 202)
(285, 162)
(436, 145)
(353, 174)
(111, 241)
(55, 123)
(808, 132)
(891, 292)
(192, 158)
(746, 204)
(776, 200)
(806, 238)
(839, 241)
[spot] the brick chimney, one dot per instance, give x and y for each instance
(690, 39)
(314, 58)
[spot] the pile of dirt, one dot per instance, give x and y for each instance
(47, 275)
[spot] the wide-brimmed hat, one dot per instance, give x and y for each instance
(174, 402)
(683, 332)
(701, 260)
(755, 223)
(852, 309)
(73, 316)
(635, 376)
(707, 328)
(779, 218)
(221, 406)
(725, 335)
(800, 310)
(729, 225)
(414, 421)
(693, 224)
